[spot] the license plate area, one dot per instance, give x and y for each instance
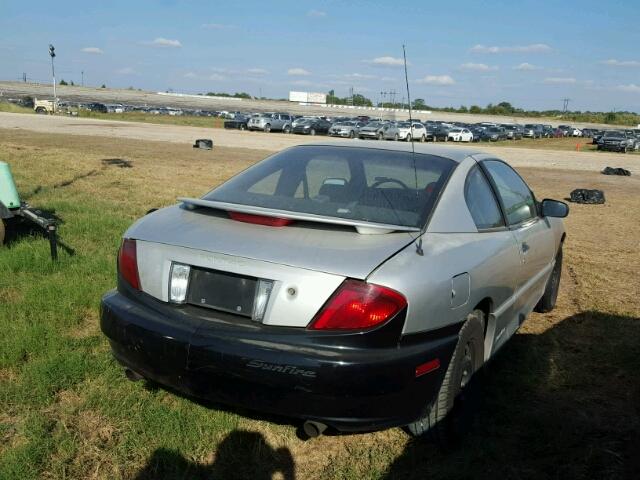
(223, 291)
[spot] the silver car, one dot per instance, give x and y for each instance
(372, 130)
(271, 122)
(347, 285)
(405, 131)
(345, 129)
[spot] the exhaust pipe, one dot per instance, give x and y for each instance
(313, 429)
(133, 376)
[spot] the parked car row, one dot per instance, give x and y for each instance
(622, 141)
(365, 127)
(429, 131)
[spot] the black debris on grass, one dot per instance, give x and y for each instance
(583, 195)
(616, 171)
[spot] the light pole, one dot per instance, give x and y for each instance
(52, 52)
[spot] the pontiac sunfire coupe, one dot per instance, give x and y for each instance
(346, 285)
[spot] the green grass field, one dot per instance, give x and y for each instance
(561, 399)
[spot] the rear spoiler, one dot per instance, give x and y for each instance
(364, 228)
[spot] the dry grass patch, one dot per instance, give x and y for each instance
(562, 398)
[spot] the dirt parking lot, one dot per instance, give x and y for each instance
(517, 156)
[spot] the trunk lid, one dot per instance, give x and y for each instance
(332, 249)
(235, 267)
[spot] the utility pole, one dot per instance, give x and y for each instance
(82, 73)
(565, 106)
(52, 52)
(24, 77)
(383, 95)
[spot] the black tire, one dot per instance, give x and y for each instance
(408, 139)
(352, 134)
(41, 111)
(423, 139)
(548, 300)
(243, 127)
(380, 136)
(286, 129)
(396, 137)
(267, 128)
(450, 414)
(312, 131)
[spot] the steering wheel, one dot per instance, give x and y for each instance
(381, 180)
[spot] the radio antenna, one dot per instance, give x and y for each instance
(419, 250)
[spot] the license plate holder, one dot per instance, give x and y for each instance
(223, 291)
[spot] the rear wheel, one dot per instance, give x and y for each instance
(408, 137)
(41, 110)
(267, 128)
(548, 300)
(423, 139)
(312, 131)
(396, 137)
(381, 136)
(450, 414)
(352, 134)
(286, 129)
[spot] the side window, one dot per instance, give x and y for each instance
(481, 201)
(518, 202)
(268, 185)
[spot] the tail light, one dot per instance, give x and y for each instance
(128, 263)
(260, 219)
(358, 305)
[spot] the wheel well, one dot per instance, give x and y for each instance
(486, 306)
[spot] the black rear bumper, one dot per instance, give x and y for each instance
(352, 382)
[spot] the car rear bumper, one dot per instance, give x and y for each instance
(611, 147)
(369, 134)
(349, 381)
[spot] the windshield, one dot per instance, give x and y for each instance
(374, 124)
(362, 184)
(614, 134)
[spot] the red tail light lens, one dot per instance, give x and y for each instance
(358, 305)
(128, 263)
(260, 219)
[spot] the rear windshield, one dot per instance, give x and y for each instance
(362, 184)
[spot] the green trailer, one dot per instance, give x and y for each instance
(13, 211)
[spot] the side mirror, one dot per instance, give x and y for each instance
(554, 208)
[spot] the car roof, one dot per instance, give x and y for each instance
(457, 154)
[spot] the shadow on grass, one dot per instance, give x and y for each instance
(240, 455)
(19, 228)
(561, 404)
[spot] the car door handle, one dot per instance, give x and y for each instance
(525, 247)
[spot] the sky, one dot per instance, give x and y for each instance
(532, 54)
